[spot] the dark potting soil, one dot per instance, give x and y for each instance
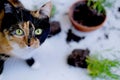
(87, 16)
(72, 37)
(106, 36)
(119, 9)
(78, 58)
(55, 28)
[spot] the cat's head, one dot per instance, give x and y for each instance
(26, 28)
(24, 34)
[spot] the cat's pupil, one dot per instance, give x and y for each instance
(38, 31)
(19, 31)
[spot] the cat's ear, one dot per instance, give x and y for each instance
(16, 3)
(44, 11)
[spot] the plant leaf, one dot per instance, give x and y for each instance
(102, 67)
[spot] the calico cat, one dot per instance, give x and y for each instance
(21, 30)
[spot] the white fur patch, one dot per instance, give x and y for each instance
(1, 76)
(23, 53)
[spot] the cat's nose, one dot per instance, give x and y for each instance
(29, 42)
(28, 45)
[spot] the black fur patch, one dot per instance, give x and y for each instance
(1, 66)
(4, 56)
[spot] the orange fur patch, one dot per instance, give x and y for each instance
(4, 45)
(1, 16)
(35, 13)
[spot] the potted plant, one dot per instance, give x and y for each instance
(97, 66)
(88, 15)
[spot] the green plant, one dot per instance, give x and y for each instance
(98, 67)
(53, 10)
(99, 4)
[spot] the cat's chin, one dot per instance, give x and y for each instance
(22, 53)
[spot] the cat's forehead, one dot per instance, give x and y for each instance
(25, 25)
(22, 25)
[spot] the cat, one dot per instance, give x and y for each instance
(22, 30)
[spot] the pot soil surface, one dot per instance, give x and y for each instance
(86, 16)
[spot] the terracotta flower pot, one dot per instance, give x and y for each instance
(82, 27)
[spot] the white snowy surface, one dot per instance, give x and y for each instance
(33, 4)
(53, 53)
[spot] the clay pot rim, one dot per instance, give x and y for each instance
(79, 26)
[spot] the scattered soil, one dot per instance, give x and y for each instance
(71, 36)
(106, 36)
(55, 28)
(87, 16)
(119, 9)
(78, 58)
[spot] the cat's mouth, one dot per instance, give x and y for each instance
(33, 44)
(22, 52)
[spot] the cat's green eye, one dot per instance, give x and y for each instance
(19, 32)
(38, 31)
